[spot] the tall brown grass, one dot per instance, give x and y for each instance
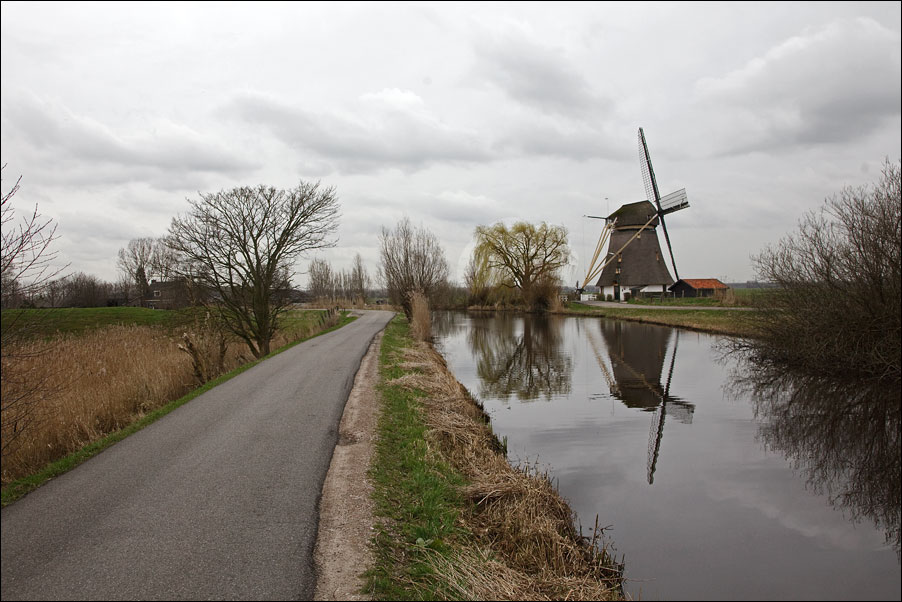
(102, 381)
(526, 546)
(420, 317)
(726, 297)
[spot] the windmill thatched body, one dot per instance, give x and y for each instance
(639, 267)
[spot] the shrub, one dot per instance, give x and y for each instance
(837, 309)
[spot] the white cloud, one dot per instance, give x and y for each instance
(831, 85)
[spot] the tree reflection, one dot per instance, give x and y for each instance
(520, 355)
(446, 323)
(844, 437)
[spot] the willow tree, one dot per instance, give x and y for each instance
(525, 256)
(240, 246)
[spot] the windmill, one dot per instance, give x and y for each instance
(637, 264)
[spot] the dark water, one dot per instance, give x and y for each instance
(718, 481)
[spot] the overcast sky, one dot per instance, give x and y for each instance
(454, 115)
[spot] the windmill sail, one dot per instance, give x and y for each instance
(673, 202)
(651, 189)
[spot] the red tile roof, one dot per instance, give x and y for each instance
(697, 283)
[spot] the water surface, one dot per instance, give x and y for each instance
(718, 481)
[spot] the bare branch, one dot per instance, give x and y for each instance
(412, 261)
(240, 245)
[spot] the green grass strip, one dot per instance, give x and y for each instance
(18, 488)
(733, 323)
(417, 503)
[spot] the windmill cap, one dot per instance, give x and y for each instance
(634, 214)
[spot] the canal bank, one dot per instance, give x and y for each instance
(454, 520)
(730, 321)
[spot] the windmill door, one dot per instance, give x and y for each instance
(616, 293)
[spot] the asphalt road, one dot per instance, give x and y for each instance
(216, 501)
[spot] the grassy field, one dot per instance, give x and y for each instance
(455, 521)
(734, 323)
(79, 320)
(737, 297)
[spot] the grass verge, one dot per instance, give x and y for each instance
(415, 492)
(20, 487)
(733, 323)
(454, 519)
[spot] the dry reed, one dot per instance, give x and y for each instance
(103, 381)
(526, 546)
(420, 318)
(106, 379)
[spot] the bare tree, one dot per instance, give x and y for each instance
(412, 261)
(26, 261)
(360, 279)
(26, 267)
(163, 261)
(85, 290)
(524, 256)
(320, 279)
(135, 263)
(240, 244)
(146, 259)
(838, 308)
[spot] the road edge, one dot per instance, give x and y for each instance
(342, 551)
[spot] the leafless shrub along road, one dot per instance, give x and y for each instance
(218, 500)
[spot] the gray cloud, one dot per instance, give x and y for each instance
(535, 75)
(832, 85)
(559, 138)
(462, 207)
(391, 128)
(164, 154)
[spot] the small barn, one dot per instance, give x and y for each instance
(697, 287)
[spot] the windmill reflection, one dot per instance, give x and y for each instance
(638, 354)
(520, 355)
(844, 437)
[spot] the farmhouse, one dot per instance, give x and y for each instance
(172, 294)
(697, 287)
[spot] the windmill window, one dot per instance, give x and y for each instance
(156, 293)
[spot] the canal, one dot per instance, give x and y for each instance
(714, 480)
